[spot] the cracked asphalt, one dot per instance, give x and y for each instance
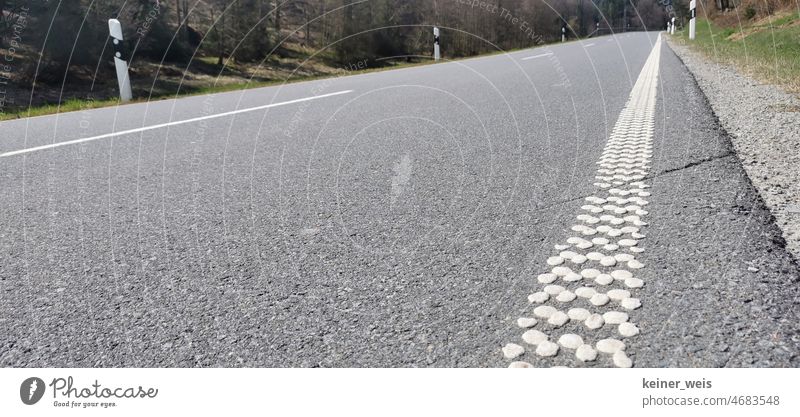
(402, 224)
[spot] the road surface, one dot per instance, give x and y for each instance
(399, 218)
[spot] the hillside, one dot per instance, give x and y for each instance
(762, 39)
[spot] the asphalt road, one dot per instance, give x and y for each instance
(395, 218)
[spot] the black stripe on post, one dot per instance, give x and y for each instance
(119, 50)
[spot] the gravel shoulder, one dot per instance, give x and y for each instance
(764, 125)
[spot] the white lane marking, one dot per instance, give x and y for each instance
(588, 45)
(536, 56)
(600, 287)
(168, 124)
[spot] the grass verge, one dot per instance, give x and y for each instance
(768, 50)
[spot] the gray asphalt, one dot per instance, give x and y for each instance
(401, 224)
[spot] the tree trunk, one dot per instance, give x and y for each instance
(220, 39)
(178, 17)
(278, 18)
(308, 23)
(186, 17)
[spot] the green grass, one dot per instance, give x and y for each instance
(66, 106)
(769, 52)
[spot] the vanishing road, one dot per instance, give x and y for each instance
(575, 205)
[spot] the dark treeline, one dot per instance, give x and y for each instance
(72, 35)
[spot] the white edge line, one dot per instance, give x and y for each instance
(158, 126)
(536, 56)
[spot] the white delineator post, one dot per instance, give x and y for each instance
(692, 17)
(436, 55)
(672, 31)
(115, 29)
(563, 33)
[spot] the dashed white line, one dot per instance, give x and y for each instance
(605, 282)
(162, 125)
(588, 45)
(536, 56)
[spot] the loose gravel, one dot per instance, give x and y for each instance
(764, 125)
